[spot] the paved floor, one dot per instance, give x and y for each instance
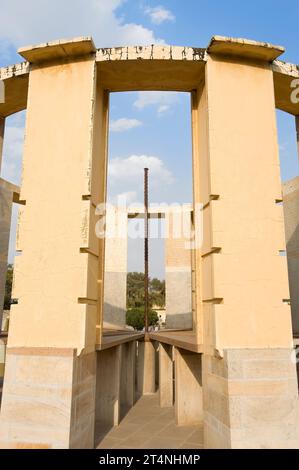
(147, 426)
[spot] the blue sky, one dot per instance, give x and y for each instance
(152, 129)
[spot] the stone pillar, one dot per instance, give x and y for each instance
(49, 387)
(116, 258)
(2, 128)
(146, 366)
(178, 269)
(7, 192)
(2, 256)
(245, 323)
(297, 130)
(128, 377)
(3, 342)
(291, 217)
(188, 388)
(165, 375)
(108, 388)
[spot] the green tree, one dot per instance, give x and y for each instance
(135, 318)
(8, 287)
(157, 292)
(135, 291)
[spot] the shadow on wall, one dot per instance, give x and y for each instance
(293, 269)
(179, 321)
(114, 317)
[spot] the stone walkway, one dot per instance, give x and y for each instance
(147, 426)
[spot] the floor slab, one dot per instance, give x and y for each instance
(147, 426)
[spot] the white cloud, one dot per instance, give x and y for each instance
(163, 108)
(124, 199)
(35, 21)
(162, 99)
(13, 148)
(124, 124)
(159, 14)
(126, 175)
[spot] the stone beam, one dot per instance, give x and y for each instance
(244, 48)
(60, 49)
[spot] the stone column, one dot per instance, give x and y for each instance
(128, 377)
(49, 387)
(3, 342)
(116, 258)
(178, 269)
(249, 381)
(291, 217)
(108, 388)
(2, 128)
(8, 193)
(188, 388)
(2, 256)
(165, 375)
(146, 368)
(297, 129)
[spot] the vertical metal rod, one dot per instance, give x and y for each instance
(146, 300)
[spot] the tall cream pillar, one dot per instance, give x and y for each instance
(8, 194)
(291, 216)
(49, 388)
(116, 258)
(178, 270)
(2, 128)
(3, 231)
(297, 129)
(249, 381)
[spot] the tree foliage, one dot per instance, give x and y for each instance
(135, 318)
(8, 287)
(135, 291)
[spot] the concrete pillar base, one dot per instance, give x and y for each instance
(128, 377)
(251, 400)
(108, 388)
(48, 399)
(146, 368)
(3, 342)
(165, 375)
(188, 388)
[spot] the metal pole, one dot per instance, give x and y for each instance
(146, 300)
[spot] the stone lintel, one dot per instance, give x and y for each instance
(152, 52)
(244, 48)
(60, 49)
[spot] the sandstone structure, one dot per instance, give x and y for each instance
(64, 373)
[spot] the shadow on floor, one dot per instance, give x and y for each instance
(147, 426)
